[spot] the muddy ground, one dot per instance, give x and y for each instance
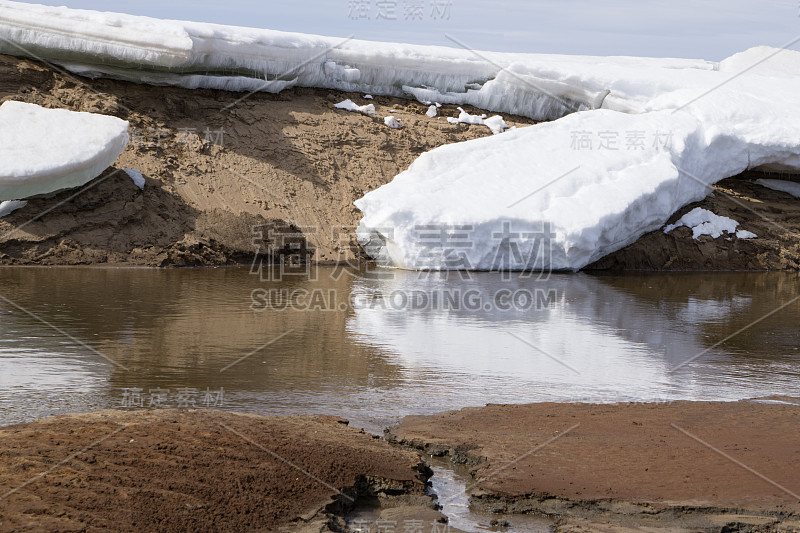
(680, 466)
(669, 468)
(228, 178)
(200, 471)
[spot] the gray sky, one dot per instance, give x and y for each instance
(709, 29)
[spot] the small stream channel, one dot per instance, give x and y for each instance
(450, 484)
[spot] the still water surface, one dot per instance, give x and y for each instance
(373, 350)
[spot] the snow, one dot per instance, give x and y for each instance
(136, 177)
(393, 123)
(790, 187)
(705, 222)
(9, 206)
(562, 187)
(368, 97)
(169, 52)
(496, 123)
(466, 118)
(47, 150)
(349, 105)
(432, 111)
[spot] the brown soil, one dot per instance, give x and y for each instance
(195, 471)
(291, 162)
(626, 467)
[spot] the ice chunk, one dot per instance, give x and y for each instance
(466, 118)
(368, 97)
(495, 123)
(704, 222)
(744, 234)
(9, 206)
(136, 177)
(432, 111)
(46, 150)
(393, 123)
(349, 105)
(789, 187)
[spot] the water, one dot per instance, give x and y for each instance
(452, 485)
(588, 338)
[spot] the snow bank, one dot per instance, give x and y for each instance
(499, 204)
(563, 194)
(46, 150)
(790, 187)
(200, 55)
(644, 137)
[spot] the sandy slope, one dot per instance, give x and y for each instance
(288, 164)
(290, 160)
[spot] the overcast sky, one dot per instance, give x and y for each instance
(709, 29)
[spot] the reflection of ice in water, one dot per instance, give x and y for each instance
(455, 345)
(622, 348)
(177, 329)
(698, 311)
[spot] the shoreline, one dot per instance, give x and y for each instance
(219, 184)
(587, 467)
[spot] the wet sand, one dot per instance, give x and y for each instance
(627, 467)
(679, 467)
(197, 471)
